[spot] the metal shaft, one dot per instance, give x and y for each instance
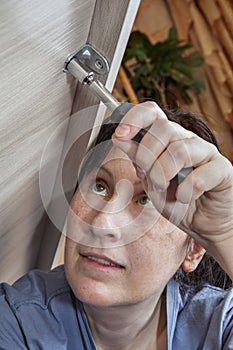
(98, 89)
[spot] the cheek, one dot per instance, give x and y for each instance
(79, 219)
(71, 253)
(158, 254)
(71, 257)
(79, 208)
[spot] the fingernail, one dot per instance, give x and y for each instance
(122, 130)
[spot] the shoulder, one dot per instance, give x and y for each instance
(32, 310)
(36, 287)
(205, 293)
(205, 315)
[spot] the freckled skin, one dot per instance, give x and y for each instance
(149, 262)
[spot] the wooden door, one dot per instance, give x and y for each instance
(36, 97)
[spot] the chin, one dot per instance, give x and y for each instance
(93, 293)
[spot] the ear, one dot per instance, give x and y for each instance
(193, 257)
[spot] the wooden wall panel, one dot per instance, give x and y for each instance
(35, 38)
(36, 97)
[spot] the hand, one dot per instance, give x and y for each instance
(203, 204)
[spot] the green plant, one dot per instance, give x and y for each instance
(164, 71)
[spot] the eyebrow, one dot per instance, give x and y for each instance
(137, 183)
(105, 170)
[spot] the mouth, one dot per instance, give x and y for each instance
(101, 260)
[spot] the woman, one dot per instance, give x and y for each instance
(132, 230)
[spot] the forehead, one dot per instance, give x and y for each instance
(116, 154)
(105, 155)
(117, 171)
(118, 164)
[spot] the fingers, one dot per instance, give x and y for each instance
(139, 117)
(212, 177)
(158, 138)
(166, 149)
(147, 154)
(180, 154)
(155, 141)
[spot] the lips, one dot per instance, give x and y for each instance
(101, 259)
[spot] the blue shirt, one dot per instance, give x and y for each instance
(40, 312)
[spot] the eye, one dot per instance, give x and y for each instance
(100, 188)
(145, 201)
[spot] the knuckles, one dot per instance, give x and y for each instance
(177, 150)
(198, 186)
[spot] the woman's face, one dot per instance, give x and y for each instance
(119, 249)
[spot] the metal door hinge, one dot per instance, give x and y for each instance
(84, 65)
(90, 59)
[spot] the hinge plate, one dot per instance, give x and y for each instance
(91, 59)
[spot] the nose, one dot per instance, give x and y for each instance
(112, 220)
(104, 228)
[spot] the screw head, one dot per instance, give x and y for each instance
(99, 64)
